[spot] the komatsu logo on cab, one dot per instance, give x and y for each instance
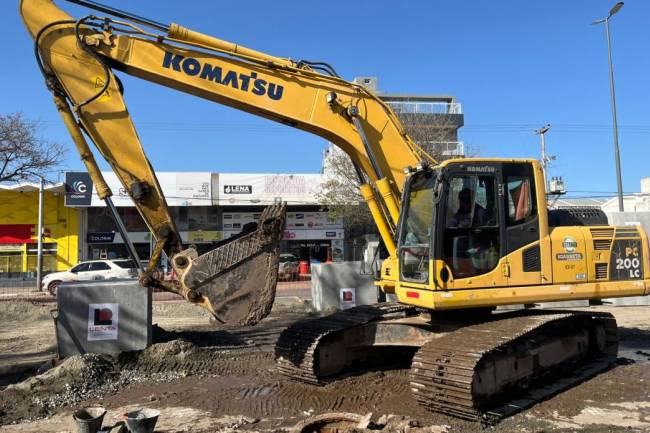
(244, 82)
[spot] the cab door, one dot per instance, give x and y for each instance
(521, 221)
(470, 233)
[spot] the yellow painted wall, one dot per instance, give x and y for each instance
(60, 223)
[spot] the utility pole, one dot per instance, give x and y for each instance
(545, 159)
(617, 157)
(39, 235)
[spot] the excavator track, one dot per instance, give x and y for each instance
(481, 372)
(471, 373)
(296, 351)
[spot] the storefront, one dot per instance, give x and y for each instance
(208, 207)
(309, 233)
(19, 226)
(188, 195)
(198, 225)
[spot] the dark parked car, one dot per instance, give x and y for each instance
(289, 268)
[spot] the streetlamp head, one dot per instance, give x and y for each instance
(617, 7)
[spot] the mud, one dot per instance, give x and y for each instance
(223, 379)
(247, 270)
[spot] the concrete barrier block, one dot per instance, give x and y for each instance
(565, 304)
(629, 301)
(327, 280)
(103, 317)
(511, 307)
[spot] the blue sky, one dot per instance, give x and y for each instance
(513, 65)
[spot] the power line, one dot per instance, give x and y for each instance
(272, 127)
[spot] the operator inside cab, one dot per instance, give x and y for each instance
(471, 237)
(467, 215)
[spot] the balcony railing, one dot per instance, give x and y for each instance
(445, 148)
(425, 107)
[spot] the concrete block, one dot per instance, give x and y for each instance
(630, 218)
(327, 280)
(511, 307)
(565, 304)
(103, 317)
(629, 301)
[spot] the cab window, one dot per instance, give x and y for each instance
(415, 237)
(520, 202)
(471, 239)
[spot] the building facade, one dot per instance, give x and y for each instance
(432, 121)
(19, 226)
(209, 207)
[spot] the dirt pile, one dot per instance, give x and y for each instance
(92, 376)
(77, 378)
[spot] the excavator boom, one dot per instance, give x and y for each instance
(78, 58)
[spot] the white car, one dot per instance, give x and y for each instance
(91, 270)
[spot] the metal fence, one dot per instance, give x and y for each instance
(24, 289)
(408, 107)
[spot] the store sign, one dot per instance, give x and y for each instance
(11, 247)
(204, 236)
(266, 189)
(78, 189)
(295, 220)
(103, 321)
(179, 189)
(298, 235)
(238, 189)
(100, 237)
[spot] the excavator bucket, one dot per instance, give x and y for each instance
(236, 281)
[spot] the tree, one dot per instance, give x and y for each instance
(340, 192)
(23, 155)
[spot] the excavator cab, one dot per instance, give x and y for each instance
(461, 220)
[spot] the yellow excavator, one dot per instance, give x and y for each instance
(461, 237)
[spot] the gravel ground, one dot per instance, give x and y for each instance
(205, 379)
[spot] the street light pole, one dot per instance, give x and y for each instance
(39, 237)
(617, 156)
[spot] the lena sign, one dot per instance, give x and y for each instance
(237, 189)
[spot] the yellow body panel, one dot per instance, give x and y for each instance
(568, 260)
(486, 297)
(576, 252)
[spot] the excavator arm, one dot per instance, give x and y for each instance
(78, 57)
